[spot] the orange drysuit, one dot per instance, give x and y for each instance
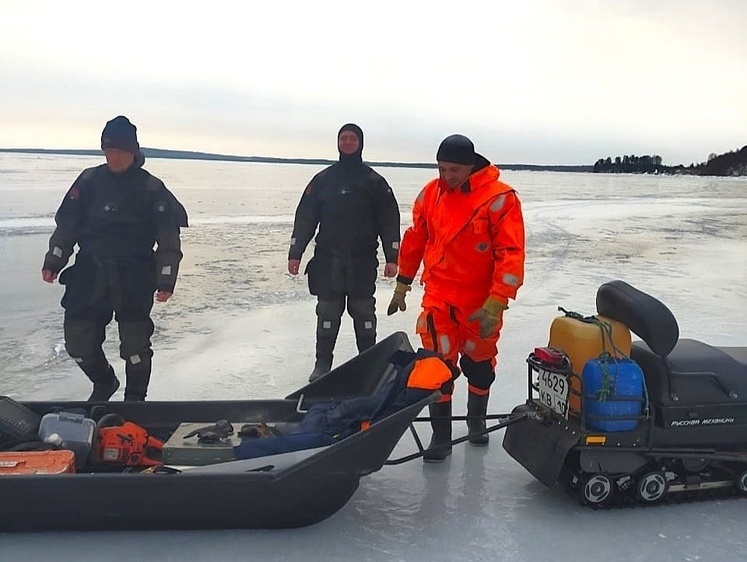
(470, 240)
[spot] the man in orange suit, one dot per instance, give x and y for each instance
(468, 232)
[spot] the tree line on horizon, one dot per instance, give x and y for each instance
(727, 164)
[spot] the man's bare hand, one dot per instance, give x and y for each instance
(390, 270)
(163, 296)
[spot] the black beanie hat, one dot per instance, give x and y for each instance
(120, 133)
(457, 149)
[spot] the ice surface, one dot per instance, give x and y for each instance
(239, 326)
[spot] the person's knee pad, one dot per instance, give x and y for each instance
(83, 339)
(328, 317)
(362, 308)
(135, 340)
(90, 359)
(330, 309)
(480, 374)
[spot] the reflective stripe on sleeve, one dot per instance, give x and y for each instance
(511, 280)
(497, 205)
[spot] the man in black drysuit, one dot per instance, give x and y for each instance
(116, 213)
(353, 206)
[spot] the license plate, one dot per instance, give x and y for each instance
(553, 391)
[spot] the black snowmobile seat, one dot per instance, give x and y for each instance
(693, 373)
(647, 317)
(681, 371)
(738, 353)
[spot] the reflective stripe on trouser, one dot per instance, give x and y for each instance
(363, 313)
(328, 316)
(445, 329)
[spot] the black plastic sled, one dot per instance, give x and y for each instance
(683, 438)
(283, 490)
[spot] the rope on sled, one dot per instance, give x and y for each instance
(607, 383)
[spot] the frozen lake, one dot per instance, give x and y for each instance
(240, 327)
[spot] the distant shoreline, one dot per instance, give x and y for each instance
(191, 155)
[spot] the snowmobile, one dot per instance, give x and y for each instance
(682, 435)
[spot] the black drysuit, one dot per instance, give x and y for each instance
(353, 207)
(116, 220)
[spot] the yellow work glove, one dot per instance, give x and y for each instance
(398, 300)
(488, 315)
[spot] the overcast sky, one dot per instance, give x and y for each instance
(530, 81)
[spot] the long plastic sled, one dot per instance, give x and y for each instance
(302, 489)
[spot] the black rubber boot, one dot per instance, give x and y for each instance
(138, 377)
(440, 445)
(364, 337)
(321, 367)
(328, 316)
(104, 386)
(477, 409)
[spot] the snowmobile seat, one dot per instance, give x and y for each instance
(677, 371)
(646, 316)
(693, 373)
(738, 353)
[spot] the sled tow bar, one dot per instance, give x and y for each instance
(504, 421)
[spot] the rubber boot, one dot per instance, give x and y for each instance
(138, 377)
(104, 386)
(328, 316)
(321, 367)
(477, 409)
(440, 445)
(365, 335)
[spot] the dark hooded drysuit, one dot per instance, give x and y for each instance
(116, 220)
(353, 207)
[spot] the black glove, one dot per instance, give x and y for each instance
(212, 433)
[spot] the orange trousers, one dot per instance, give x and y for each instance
(444, 328)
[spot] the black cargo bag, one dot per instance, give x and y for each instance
(17, 423)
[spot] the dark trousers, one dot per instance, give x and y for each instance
(341, 281)
(329, 318)
(94, 294)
